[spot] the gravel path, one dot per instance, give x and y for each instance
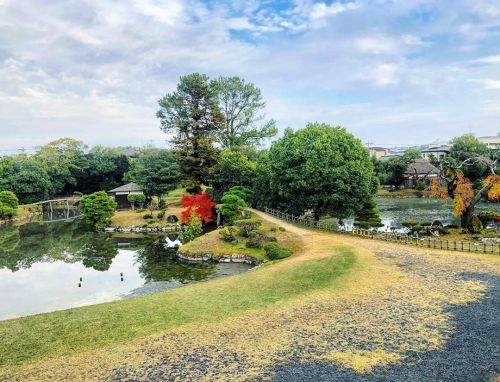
(442, 323)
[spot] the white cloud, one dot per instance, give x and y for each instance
(488, 83)
(320, 10)
(95, 70)
(495, 59)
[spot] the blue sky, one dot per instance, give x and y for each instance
(391, 72)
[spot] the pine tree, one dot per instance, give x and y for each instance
(368, 216)
(193, 115)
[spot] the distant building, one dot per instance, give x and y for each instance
(390, 156)
(438, 152)
(419, 170)
(493, 142)
(121, 193)
(378, 152)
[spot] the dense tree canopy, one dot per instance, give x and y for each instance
(63, 161)
(242, 105)
(233, 169)
(193, 116)
(321, 168)
(26, 178)
(157, 171)
(466, 147)
(102, 168)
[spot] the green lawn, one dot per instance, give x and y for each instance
(66, 332)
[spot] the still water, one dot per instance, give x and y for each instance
(394, 211)
(41, 265)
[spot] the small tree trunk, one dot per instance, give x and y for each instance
(466, 219)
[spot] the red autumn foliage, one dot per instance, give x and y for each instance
(200, 204)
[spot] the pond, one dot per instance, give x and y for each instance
(41, 265)
(394, 211)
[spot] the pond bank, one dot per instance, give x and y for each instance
(172, 228)
(232, 258)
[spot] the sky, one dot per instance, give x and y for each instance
(391, 72)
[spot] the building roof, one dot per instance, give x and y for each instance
(491, 139)
(129, 187)
(390, 156)
(435, 149)
(421, 167)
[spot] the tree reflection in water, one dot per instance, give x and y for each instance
(72, 242)
(157, 262)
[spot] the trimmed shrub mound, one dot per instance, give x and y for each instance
(274, 251)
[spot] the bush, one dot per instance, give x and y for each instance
(192, 229)
(254, 242)
(140, 210)
(274, 251)
(282, 229)
(487, 216)
(147, 216)
(247, 226)
(162, 205)
(409, 223)
(8, 204)
(232, 207)
(136, 199)
(229, 234)
(273, 229)
(97, 208)
(161, 214)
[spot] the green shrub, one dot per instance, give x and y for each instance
(140, 210)
(229, 234)
(97, 208)
(274, 251)
(273, 229)
(282, 229)
(161, 214)
(162, 205)
(147, 216)
(232, 207)
(8, 204)
(253, 242)
(247, 226)
(136, 199)
(487, 216)
(192, 229)
(409, 223)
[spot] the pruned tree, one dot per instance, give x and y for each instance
(465, 197)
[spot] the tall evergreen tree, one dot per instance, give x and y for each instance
(193, 116)
(242, 106)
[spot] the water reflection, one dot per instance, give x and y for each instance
(46, 267)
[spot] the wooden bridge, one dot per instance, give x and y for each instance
(67, 205)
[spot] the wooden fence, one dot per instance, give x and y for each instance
(453, 245)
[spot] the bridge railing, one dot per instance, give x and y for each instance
(401, 238)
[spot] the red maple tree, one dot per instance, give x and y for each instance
(200, 204)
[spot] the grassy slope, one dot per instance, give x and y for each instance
(65, 332)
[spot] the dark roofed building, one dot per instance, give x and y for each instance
(419, 169)
(121, 193)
